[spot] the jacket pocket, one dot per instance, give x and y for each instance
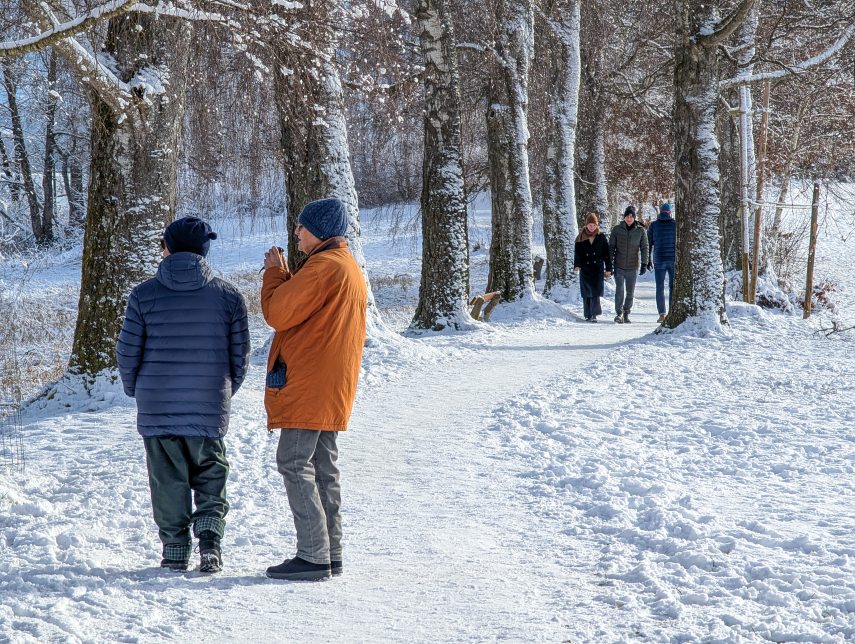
(276, 377)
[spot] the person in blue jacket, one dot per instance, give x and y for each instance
(183, 353)
(662, 236)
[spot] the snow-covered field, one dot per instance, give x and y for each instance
(537, 479)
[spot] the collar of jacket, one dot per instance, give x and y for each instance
(329, 244)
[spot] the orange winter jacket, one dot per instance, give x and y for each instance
(318, 314)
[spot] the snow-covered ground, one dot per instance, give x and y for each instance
(538, 479)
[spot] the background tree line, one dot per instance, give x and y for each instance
(118, 117)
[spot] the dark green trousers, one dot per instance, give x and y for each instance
(181, 470)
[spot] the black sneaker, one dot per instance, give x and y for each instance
(594, 319)
(210, 556)
(176, 565)
(297, 569)
(626, 317)
(336, 567)
(619, 318)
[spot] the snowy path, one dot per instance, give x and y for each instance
(550, 481)
(442, 543)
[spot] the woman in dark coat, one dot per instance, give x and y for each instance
(592, 259)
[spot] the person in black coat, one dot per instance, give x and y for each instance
(593, 261)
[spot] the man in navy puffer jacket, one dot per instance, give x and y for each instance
(183, 353)
(662, 235)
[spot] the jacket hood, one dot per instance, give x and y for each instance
(184, 272)
(665, 215)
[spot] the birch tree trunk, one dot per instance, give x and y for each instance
(747, 160)
(591, 189)
(560, 225)
(444, 288)
(737, 158)
(507, 149)
(699, 281)
(310, 106)
(132, 179)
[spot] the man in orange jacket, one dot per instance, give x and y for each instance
(318, 313)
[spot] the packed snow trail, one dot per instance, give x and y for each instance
(441, 542)
(544, 480)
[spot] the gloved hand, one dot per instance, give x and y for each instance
(649, 266)
(643, 270)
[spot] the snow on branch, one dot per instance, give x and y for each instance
(174, 12)
(60, 31)
(793, 70)
(98, 76)
(727, 27)
(472, 45)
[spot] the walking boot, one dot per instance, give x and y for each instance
(210, 556)
(175, 565)
(298, 569)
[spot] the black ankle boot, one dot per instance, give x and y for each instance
(176, 565)
(210, 556)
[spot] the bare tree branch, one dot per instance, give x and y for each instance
(60, 31)
(794, 70)
(102, 80)
(727, 27)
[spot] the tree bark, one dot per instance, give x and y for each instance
(761, 182)
(8, 172)
(560, 225)
(730, 222)
(510, 270)
(72, 176)
(591, 189)
(699, 281)
(132, 180)
(814, 216)
(745, 43)
(313, 135)
(444, 287)
(49, 173)
(21, 156)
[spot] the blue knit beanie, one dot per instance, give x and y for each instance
(188, 235)
(325, 218)
(665, 208)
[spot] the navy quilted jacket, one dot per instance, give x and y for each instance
(183, 349)
(663, 239)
